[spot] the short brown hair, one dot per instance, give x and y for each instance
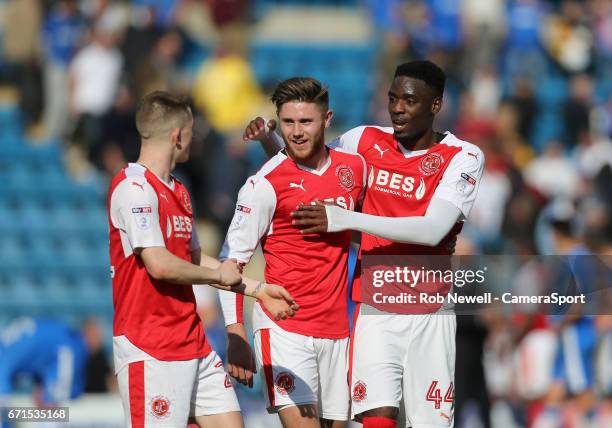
(160, 112)
(301, 89)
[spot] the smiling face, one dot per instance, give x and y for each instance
(303, 127)
(412, 107)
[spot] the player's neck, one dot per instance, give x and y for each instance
(422, 141)
(316, 161)
(158, 166)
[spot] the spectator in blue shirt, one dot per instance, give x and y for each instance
(64, 33)
(48, 351)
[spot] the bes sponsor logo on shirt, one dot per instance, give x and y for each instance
(341, 201)
(396, 184)
(168, 228)
(181, 225)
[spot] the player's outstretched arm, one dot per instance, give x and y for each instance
(162, 265)
(429, 229)
(452, 201)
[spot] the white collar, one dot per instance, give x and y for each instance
(413, 153)
(314, 171)
(169, 185)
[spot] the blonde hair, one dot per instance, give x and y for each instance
(159, 112)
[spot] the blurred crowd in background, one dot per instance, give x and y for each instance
(529, 81)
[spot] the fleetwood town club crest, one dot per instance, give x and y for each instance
(359, 391)
(285, 383)
(186, 201)
(160, 406)
(346, 177)
(431, 163)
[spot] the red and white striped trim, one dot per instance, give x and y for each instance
(266, 355)
(136, 391)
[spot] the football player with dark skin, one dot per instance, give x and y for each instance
(412, 105)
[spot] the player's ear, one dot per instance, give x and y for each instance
(328, 118)
(436, 105)
(175, 136)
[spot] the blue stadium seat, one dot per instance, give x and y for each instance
(54, 181)
(24, 294)
(43, 153)
(7, 213)
(13, 249)
(54, 249)
(64, 218)
(97, 218)
(34, 219)
(88, 297)
(21, 179)
(10, 121)
(75, 253)
(77, 196)
(57, 291)
(44, 249)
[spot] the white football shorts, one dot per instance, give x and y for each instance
(298, 369)
(166, 393)
(404, 356)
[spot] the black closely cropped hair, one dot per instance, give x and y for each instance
(426, 71)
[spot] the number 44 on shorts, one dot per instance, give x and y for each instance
(434, 394)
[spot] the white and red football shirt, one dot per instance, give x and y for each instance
(401, 183)
(313, 268)
(152, 318)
